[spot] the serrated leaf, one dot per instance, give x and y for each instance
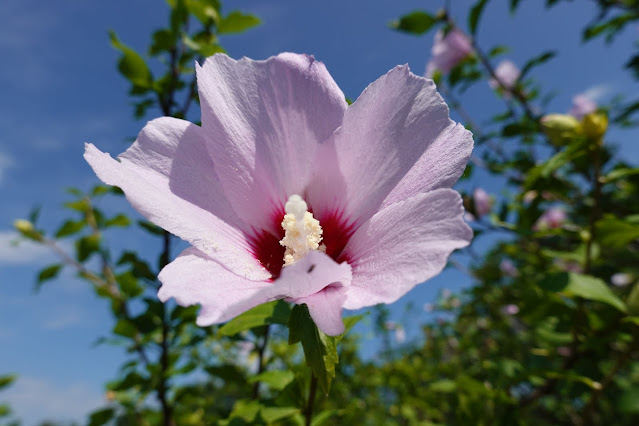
(48, 273)
(320, 350)
(475, 14)
(417, 22)
(276, 312)
(572, 284)
(276, 380)
(237, 22)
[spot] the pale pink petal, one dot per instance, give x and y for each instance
(507, 74)
(483, 202)
(194, 278)
(265, 120)
(448, 51)
(396, 140)
(169, 177)
(325, 308)
(581, 106)
(403, 245)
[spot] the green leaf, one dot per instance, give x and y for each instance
(131, 64)
(70, 227)
(320, 350)
(86, 246)
(101, 417)
(48, 273)
(475, 14)
(620, 173)
(6, 380)
(616, 233)
(276, 380)
(276, 312)
(323, 417)
(417, 22)
(273, 414)
(125, 328)
(443, 386)
(629, 401)
(237, 22)
(586, 286)
(536, 61)
(129, 284)
(119, 220)
(633, 300)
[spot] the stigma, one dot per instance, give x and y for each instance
(302, 232)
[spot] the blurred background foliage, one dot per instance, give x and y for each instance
(546, 335)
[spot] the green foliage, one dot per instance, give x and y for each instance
(320, 350)
(415, 23)
(276, 312)
(237, 22)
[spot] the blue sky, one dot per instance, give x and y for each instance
(59, 88)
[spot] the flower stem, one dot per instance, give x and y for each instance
(308, 412)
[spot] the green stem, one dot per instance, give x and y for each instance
(308, 412)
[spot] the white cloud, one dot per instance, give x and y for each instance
(14, 251)
(598, 92)
(34, 400)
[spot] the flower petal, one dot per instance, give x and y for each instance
(266, 119)
(325, 308)
(168, 176)
(396, 140)
(194, 278)
(403, 245)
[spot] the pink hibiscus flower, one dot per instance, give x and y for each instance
(507, 74)
(448, 51)
(582, 106)
(286, 192)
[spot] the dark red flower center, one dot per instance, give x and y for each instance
(266, 247)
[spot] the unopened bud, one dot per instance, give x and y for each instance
(23, 225)
(594, 125)
(27, 229)
(560, 128)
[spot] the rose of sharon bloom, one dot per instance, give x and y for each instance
(581, 106)
(448, 51)
(552, 218)
(507, 74)
(286, 192)
(483, 202)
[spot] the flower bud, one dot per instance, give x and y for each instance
(560, 128)
(27, 229)
(594, 125)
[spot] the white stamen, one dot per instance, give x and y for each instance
(302, 232)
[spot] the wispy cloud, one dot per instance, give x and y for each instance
(35, 399)
(599, 92)
(63, 319)
(13, 251)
